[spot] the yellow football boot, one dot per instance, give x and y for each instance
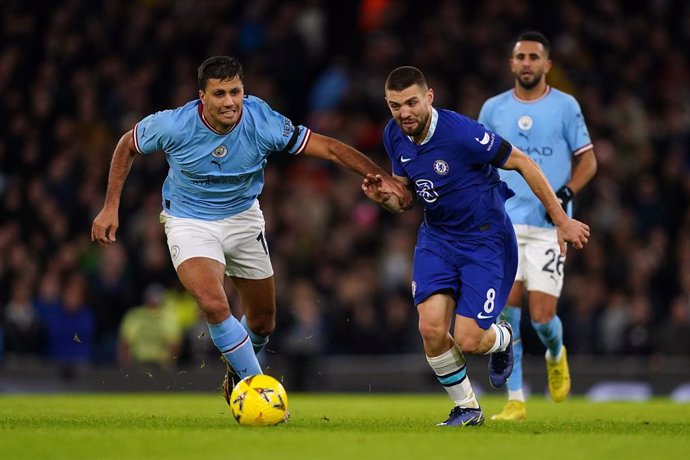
(559, 377)
(513, 410)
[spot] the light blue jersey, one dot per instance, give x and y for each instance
(551, 130)
(214, 175)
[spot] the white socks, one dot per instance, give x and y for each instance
(451, 372)
(502, 338)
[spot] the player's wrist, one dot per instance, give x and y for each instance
(392, 204)
(565, 194)
(560, 219)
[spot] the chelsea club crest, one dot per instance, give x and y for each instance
(441, 167)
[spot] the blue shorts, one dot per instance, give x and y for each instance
(478, 274)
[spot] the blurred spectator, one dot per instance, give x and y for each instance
(304, 333)
(48, 298)
(673, 336)
(112, 293)
(22, 324)
(400, 333)
(639, 335)
(71, 327)
(615, 319)
(149, 335)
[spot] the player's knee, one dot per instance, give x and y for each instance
(432, 332)
(542, 316)
(216, 308)
(264, 327)
(261, 321)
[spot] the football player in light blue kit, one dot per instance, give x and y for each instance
(466, 253)
(217, 147)
(548, 125)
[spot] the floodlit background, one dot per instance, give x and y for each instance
(75, 75)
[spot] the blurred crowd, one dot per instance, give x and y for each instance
(75, 75)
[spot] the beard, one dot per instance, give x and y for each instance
(529, 84)
(417, 130)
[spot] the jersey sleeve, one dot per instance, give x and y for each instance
(153, 133)
(278, 133)
(576, 132)
(484, 146)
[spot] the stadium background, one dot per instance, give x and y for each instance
(74, 75)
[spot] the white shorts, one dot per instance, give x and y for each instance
(238, 242)
(540, 263)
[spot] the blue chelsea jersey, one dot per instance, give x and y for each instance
(551, 130)
(453, 172)
(214, 175)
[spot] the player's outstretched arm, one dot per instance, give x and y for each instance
(104, 227)
(569, 230)
(325, 147)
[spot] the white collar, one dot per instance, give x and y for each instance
(432, 127)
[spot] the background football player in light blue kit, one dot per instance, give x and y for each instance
(217, 147)
(548, 125)
(466, 253)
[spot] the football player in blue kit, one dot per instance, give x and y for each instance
(548, 125)
(217, 147)
(466, 253)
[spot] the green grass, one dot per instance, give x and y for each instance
(353, 427)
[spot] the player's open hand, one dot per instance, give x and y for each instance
(105, 227)
(372, 187)
(574, 232)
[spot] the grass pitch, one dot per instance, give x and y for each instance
(325, 426)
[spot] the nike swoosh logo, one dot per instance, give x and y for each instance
(481, 316)
(467, 422)
(404, 160)
(485, 139)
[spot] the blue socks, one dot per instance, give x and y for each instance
(233, 342)
(258, 341)
(551, 335)
(512, 315)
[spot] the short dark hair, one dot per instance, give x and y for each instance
(533, 36)
(221, 67)
(404, 77)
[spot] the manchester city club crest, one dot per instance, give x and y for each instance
(525, 122)
(220, 151)
(441, 167)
